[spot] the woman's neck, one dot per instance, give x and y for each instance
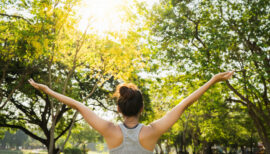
(131, 122)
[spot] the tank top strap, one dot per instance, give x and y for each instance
(138, 129)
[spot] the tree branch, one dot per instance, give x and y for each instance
(91, 93)
(64, 131)
(1, 81)
(100, 103)
(26, 132)
(61, 112)
(237, 101)
(30, 114)
(16, 16)
(250, 105)
(13, 91)
(69, 132)
(237, 93)
(46, 110)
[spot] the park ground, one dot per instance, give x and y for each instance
(37, 152)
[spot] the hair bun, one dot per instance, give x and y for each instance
(125, 92)
(129, 99)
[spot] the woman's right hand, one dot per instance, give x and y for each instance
(38, 85)
(223, 76)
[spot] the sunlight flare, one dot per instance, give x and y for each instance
(104, 15)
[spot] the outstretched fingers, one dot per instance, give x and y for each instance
(229, 75)
(33, 83)
(223, 76)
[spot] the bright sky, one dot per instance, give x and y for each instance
(106, 15)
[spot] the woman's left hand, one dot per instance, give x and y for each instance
(223, 76)
(38, 85)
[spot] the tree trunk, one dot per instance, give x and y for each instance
(243, 150)
(259, 124)
(51, 145)
(251, 147)
(84, 149)
(208, 148)
(267, 149)
(53, 150)
(177, 148)
(160, 147)
(168, 148)
(156, 150)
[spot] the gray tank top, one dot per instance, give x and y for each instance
(130, 144)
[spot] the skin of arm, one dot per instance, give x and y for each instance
(161, 125)
(101, 125)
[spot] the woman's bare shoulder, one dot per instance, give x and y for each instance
(115, 138)
(114, 130)
(148, 138)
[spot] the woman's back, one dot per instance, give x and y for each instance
(130, 141)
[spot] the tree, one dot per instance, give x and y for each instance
(205, 37)
(44, 44)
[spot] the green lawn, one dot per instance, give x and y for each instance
(22, 152)
(35, 152)
(11, 152)
(97, 152)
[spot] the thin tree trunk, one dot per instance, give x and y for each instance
(156, 150)
(243, 150)
(51, 145)
(160, 147)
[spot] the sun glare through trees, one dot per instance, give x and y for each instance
(104, 15)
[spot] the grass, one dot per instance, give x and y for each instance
(34, 152)
(23, 152)
(92, 152)
(11, 152)
(39, 152)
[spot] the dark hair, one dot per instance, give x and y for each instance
(129, 99)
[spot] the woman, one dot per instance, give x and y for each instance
(131, 137)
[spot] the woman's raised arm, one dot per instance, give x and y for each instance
(160, 126)
(101, 125)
